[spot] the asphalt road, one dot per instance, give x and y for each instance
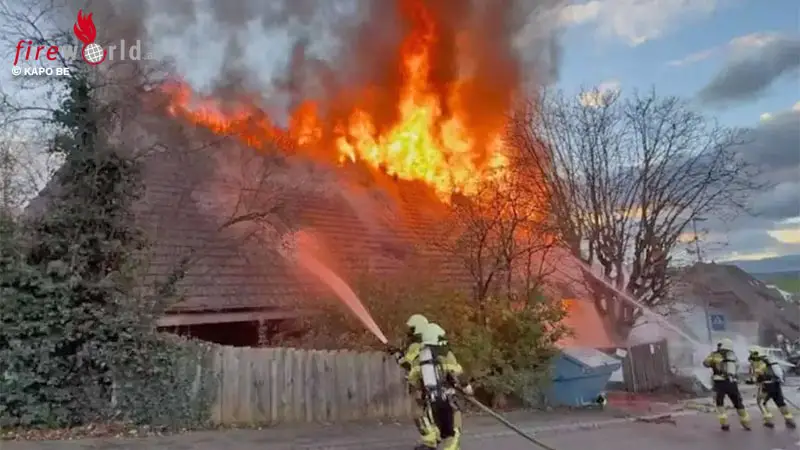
(691, 432)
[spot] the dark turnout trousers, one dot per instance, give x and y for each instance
(729, 388)
(773, 391)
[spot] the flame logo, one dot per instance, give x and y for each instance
(86, 32)
(84, 28)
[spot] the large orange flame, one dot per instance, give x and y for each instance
(429, 141)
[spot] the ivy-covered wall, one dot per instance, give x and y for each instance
(173, 387)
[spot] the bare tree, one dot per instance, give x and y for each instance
(625, 178)
(25, 168)
(500, 236)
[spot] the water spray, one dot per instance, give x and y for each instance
(343, 291)
(648, 312)
(630, 299)
(298, 248)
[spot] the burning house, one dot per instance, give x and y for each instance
(372, 150)
(238, 282)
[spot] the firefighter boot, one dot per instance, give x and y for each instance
(722, 415)
(766, 414)
(454, 442)
(429, 433)
(787, 417)
(744, 419)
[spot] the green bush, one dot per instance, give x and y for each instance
(77, 337)
(510, 355)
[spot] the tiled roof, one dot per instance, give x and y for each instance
(360, 229)
(363, 228)
(737, 292)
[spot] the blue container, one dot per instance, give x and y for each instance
(580, 375)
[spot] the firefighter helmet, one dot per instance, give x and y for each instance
(726, 344)
(433, 334)
(417, 323)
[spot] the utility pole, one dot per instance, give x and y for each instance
(700, 260)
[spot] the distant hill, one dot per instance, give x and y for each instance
(778, 264)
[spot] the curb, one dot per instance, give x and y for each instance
(549, 429)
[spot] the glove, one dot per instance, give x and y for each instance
(395, 352)
(467, 390)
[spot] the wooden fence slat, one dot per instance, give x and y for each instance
(356, 389)
(321, 378)
(380, 386)
(216, 372)
(273, 390)
(260, 400)
(245, 391)
(230, 382)
(393, 403)
(362, 366)
(308, 385)
(342, 385)
(332, 385)
(287, 413)
(297, 387)
(348, 386)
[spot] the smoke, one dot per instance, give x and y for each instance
(333, 57)
(293, 50)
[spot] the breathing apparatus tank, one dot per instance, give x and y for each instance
(776, 369)
(432, 378)
(730, 364)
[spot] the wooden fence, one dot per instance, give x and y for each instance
(279, 385)
(645, 367)
(282, 385)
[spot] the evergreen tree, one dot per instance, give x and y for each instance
(68, 311)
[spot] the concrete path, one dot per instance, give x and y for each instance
(692, 431)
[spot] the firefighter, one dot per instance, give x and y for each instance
(724, 367)
(429, 433)
(437, 372)
(769, 376)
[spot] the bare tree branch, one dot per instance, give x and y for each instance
(625, 178)
(500, 236)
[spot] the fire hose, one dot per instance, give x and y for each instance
(505, 422)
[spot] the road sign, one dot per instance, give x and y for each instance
(717, 322)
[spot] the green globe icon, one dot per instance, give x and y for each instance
(93, 53)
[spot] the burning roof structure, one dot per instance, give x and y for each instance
(369, 157)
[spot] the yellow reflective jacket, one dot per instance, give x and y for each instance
(410, 356)
(446, 363)
(716, 362)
